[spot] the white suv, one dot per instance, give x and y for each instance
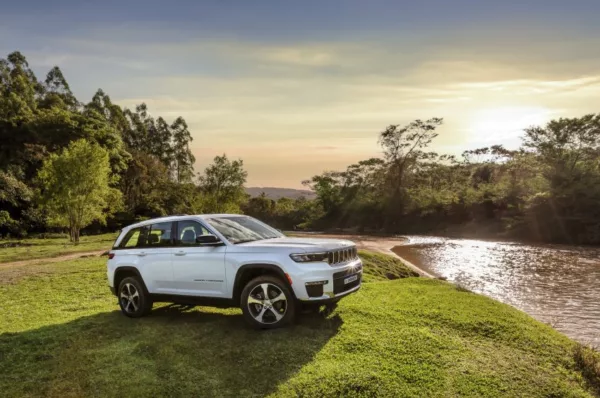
(228, 260)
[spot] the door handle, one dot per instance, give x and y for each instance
(141, 254)
(180, 253)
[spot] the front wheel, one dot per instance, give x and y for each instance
(267, 303)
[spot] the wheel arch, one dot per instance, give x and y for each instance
(247, 272)
(124, 272)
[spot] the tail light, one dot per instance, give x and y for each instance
(111, 256)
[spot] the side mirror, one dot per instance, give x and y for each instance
(208, 240)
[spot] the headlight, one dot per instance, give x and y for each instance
(309, 257)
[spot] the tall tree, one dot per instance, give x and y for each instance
(403, 148)
(569, 150)
(75, 187)
(182, 155)
(57, 91)
(223, 185)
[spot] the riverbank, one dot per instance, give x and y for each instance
(556, 284)
(61, 335)
(379, 244)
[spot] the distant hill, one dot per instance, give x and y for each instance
(276, 193)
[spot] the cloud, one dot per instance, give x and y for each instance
(309, 105)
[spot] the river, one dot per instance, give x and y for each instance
(556, 284)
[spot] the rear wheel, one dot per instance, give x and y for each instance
(267, 303)
(133, 298)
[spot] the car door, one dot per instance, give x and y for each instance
(198, 270)
(151, 249)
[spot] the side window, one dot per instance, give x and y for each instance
(134, 238)
(187, 231)
(159, 235)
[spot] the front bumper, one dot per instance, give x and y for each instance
(331, 284)
(329, 298)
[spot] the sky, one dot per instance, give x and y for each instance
(297, 88)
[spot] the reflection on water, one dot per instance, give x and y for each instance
(559, 285)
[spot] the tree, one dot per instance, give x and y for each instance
(403, 150)
(569, 150)
(182, 155)
(14, 197)
(75, 187)
(261, 207)
(223, 185)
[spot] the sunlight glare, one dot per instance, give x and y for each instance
(507, 123)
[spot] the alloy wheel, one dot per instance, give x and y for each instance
(130, 298)
(267, 303)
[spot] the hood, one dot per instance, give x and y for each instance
(304, 244)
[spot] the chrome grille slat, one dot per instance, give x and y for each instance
(341, 256)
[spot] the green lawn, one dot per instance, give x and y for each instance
(61, 335)
(33, 248)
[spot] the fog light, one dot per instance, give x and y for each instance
(314, 290)
(317, 283)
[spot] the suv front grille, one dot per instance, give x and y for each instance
(341, 256)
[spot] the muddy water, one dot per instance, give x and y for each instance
(559, 285)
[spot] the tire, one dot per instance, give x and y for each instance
(133, 298)
(277, 311)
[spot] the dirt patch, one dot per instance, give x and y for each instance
(11, 276)
(410, 253)
(362, 241)
(8, 245)
(380, 244)
(52, 259)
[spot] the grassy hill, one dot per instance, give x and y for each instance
(61, 335)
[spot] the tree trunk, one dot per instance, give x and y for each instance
(74, 234)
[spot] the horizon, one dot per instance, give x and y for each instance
(310, 81)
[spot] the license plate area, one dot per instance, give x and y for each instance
(350, 279)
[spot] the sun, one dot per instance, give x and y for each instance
(506, 123)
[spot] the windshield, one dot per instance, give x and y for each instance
(239, 229)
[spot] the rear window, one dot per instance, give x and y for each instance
(155, 235)
(133, 238)
(160, 235)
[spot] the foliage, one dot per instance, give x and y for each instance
(14, 195)
(75, 187)
(38, 119)
(223, 185)
(548, 190)
(284, 213)
(61, 335)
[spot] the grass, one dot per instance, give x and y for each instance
(34, 248)
(588, 361)
(381, 267)
(61, 335)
